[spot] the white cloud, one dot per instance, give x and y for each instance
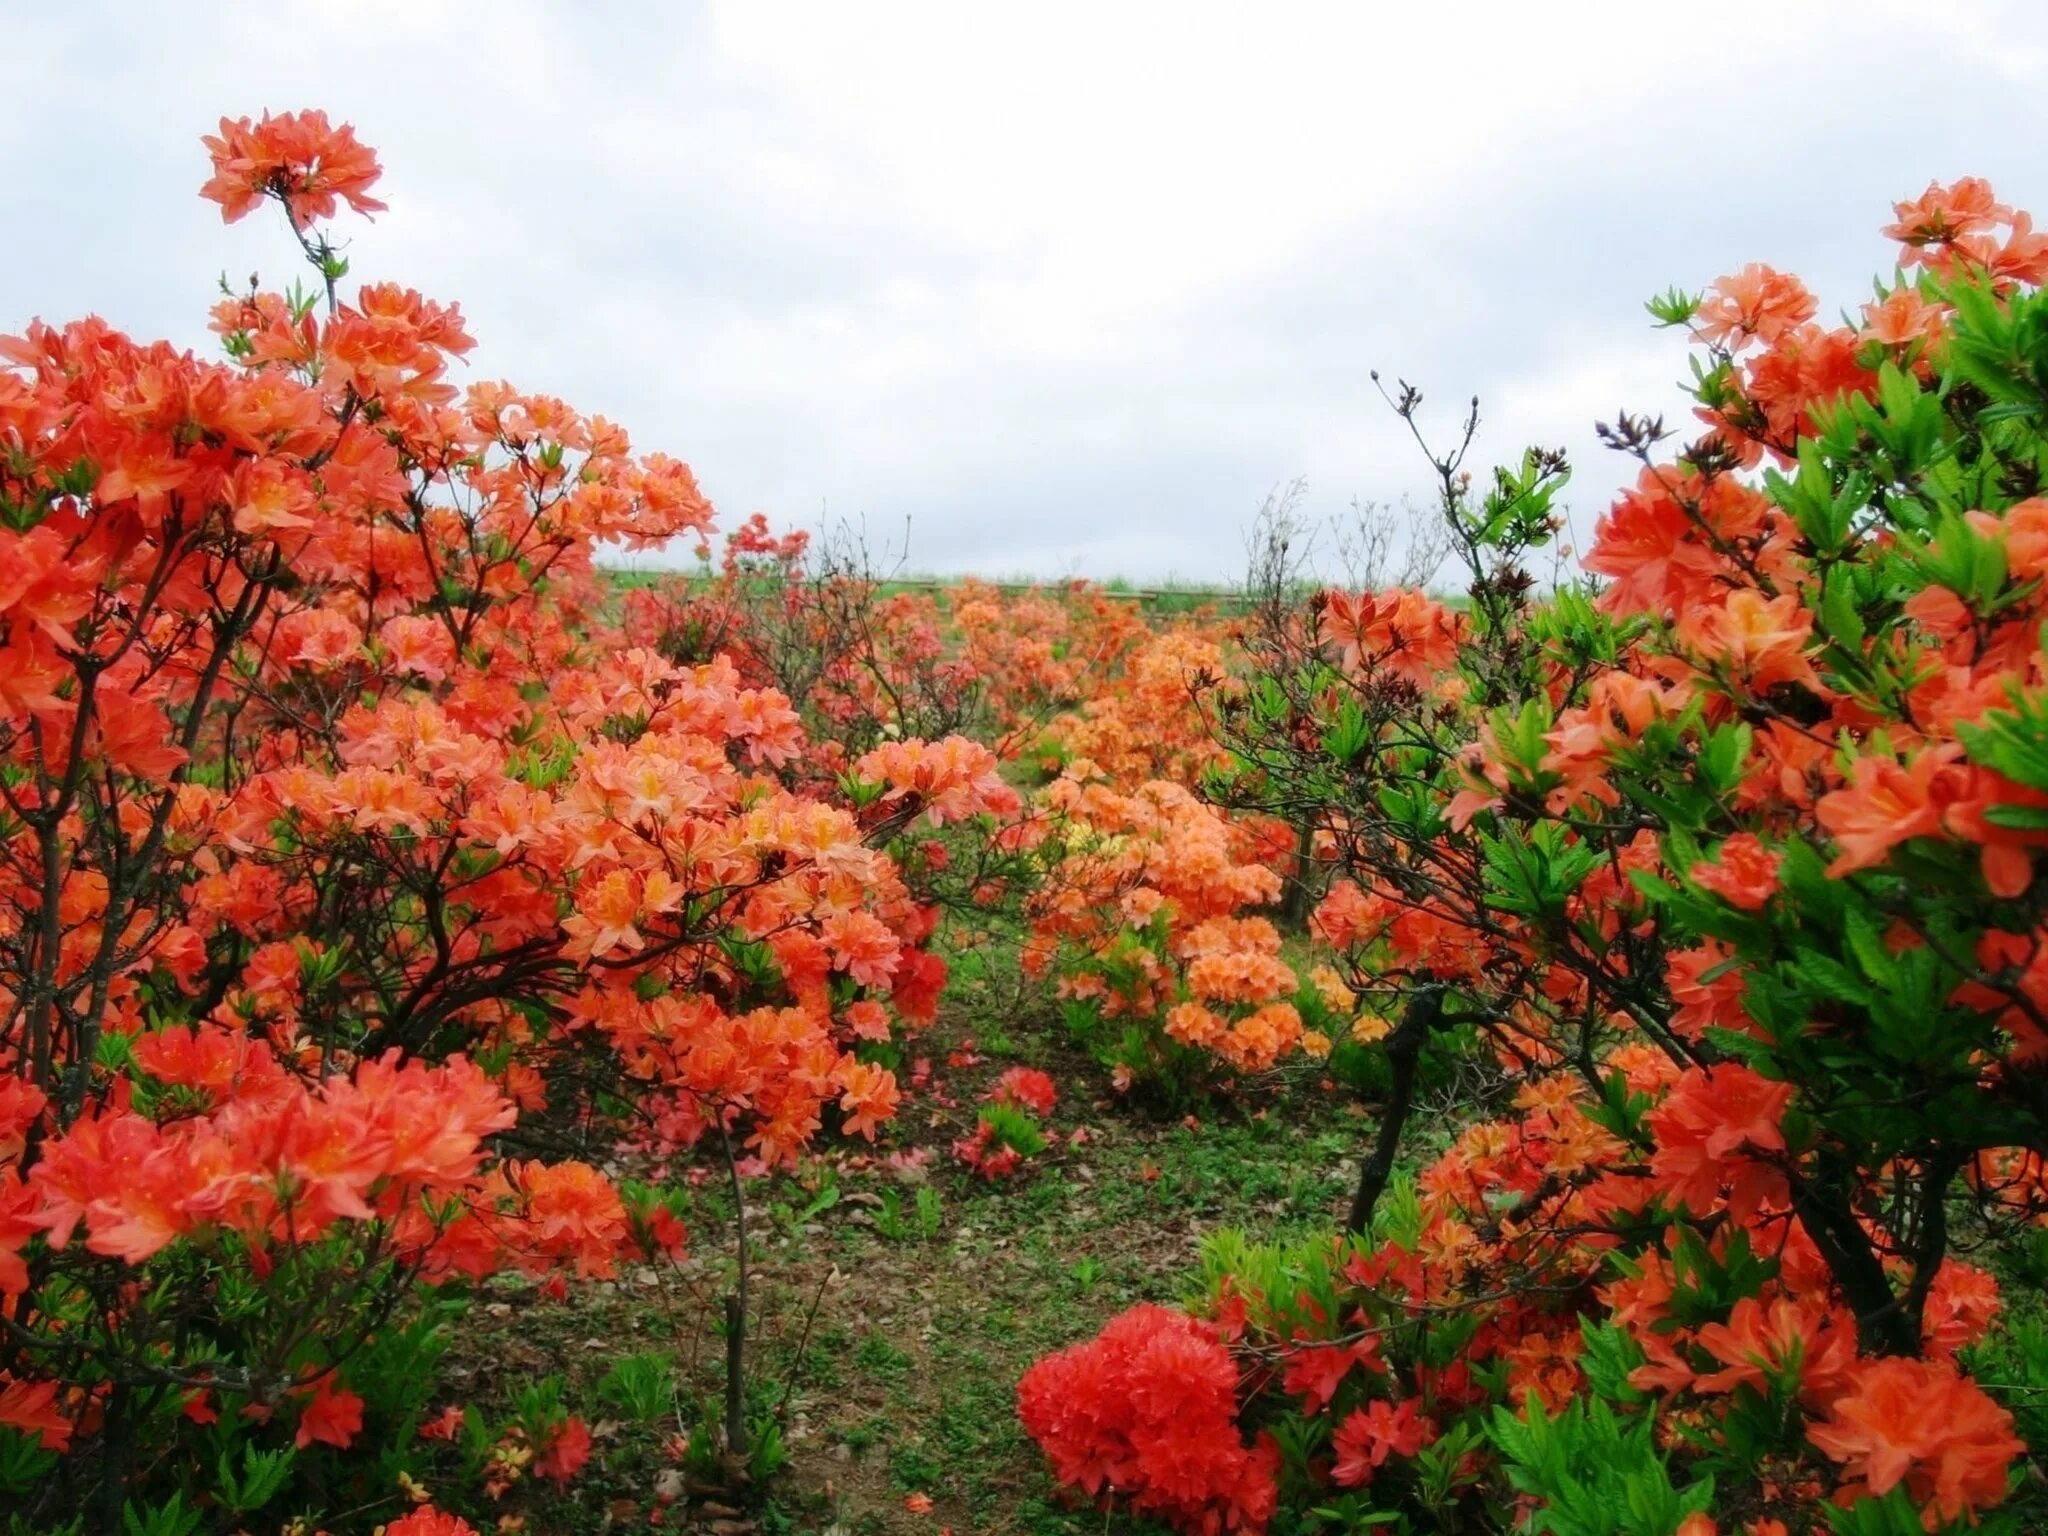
(1070, 285)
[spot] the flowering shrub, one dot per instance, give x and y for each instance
(817, 620)
(809, 620)
(1006, 1136)
(1138, 723)
(1147, 915)
(1042, 653)
(357, 839)
(339, 832)
(1728, 869)
(1026, 1088)
(1008, 1131)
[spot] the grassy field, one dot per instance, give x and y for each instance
(1163, 599)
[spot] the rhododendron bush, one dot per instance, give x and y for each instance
(1147, 912)
(340, 832)
(1725, 873)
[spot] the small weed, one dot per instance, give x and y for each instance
(889, 1222)
(642, 1385)
(931, 1213)
(914, 1466)
(878, 1355)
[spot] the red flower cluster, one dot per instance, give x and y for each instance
(1147, 1412)
(429, 1521)
(1027, 1088)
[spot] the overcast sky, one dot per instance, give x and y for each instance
(1070, 287)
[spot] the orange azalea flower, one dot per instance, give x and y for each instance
(863, 946)
(1743, 873)
(1961, 1306)
(1544, 1368)
(1921, 1423)
(1370, 1435)
(334, 1416)
(31, 1407)
(2005, 853)
(21, 1105)
(1785, 1338)
(429, 1521)
(1903, 318)
(868, 1096)
(1316, 1371)
(1655, 544)
(1027, 1088)
(564, 1453)
(1757, 303)
(1884, 804)
(419, 645)
(296, 157)
(1708, 1130)
(445, 1425)
(948, 780)
(1405, 632)
(1943, 214)
(1706, 983)
(1761, 641)
(567, 1213)
(605, 918)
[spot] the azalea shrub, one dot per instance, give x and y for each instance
(1722, 869)
(1137, 722)
(1149, 1410)
(809, 618)
(1149, 915)
(344, 838)
(1009, 1130)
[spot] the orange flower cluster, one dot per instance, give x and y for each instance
(1400, 632)
(1143, 914)
(1148, 1412)
(942, 781)
(298, 158)
(1142, 723)
(1040, 653)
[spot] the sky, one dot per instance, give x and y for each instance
(1061, 290)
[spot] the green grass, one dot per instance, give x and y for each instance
(1170, 598)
